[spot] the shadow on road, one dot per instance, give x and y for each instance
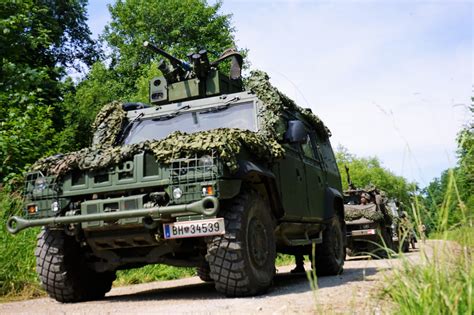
(284, 284)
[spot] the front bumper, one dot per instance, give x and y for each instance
(208, 206)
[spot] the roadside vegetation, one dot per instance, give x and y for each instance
(444, 282)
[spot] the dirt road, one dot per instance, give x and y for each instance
(353, 292)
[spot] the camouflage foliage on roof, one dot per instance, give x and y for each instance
(107, 124)
(274, 102)
(369, 211)
(265, 144)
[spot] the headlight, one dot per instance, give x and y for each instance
(55, 206)
(177, 193)
(206, 163)
(40, 183)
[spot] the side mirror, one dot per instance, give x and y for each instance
(296, 132)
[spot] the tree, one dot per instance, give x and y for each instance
(40, 40)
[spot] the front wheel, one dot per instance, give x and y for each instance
(242, 262)
(63, 272)
(330, 254)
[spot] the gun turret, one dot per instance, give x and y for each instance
(197, 79)
(180, 69)
(349, 181)
(201, 64)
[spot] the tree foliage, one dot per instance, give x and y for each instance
(39, 40)
(449, 199)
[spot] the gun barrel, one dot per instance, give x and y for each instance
(173, 60)
(349, 181)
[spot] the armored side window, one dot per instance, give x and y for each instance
(307, 148)
(328, 155)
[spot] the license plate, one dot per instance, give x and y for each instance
(194, 228)
(364, 232)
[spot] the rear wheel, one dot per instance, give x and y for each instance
(405, 246)
(242, 262)
(63, 272)
(385, 246)
(330, 254)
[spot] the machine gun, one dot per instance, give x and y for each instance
(180, 70)
(197, 79)
(349, 181)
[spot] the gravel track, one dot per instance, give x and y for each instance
(353, 292)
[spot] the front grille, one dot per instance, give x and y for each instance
(38, 186)
(191, 173)
(191, 170)
(78, 178)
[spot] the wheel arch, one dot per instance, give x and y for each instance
(334, 205)
(264, 182)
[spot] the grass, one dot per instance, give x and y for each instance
(152, 273)
(443, 283)
(464, 235)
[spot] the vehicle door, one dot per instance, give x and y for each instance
(315, 176)
(293, 183)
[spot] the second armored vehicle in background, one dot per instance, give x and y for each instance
(368, 221)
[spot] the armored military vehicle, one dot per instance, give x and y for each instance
(208, 175)
(368, 221)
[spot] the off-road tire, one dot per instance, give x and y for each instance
(242, 262)
(406, 245)
(385, 246)
(204, 273)
(330, 254)
(62, 270)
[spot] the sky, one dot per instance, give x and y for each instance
(391, 79)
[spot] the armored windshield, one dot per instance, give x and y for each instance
(240, 116)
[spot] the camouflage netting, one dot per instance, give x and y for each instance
(274, 102)
(226, 142)
(107, 124)
(355, 212)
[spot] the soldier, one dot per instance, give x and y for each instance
(364, 198)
